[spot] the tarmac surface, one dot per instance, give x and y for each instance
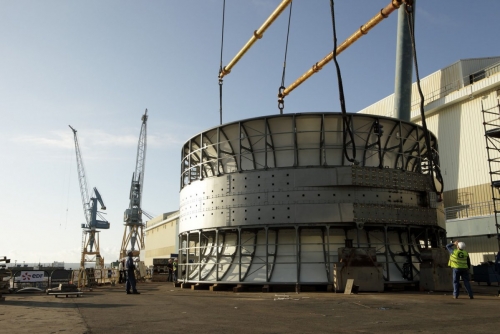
(162, 308)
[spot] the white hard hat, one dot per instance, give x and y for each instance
(461, 245)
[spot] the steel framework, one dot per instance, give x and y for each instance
(133, 236)
(90, 235)
(491, 122)
(272, 199)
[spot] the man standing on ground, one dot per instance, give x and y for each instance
(458, 262)
(130, 265)
(174, 269)
(121, 271)
(170, 268)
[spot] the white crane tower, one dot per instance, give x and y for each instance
(133, 237)
(90, 236)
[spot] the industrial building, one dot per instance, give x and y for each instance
(161, 234)
(461, 104)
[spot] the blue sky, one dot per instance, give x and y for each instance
(97, 65)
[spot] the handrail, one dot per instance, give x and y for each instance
(469, 210)
(483, 73)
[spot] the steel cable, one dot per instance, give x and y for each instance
(281, 102)
(432, 158)
(220, 68)
(346, 122)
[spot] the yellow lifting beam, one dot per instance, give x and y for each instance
(256, 35)
(363, 30)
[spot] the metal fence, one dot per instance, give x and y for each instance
(456, 85)
(41, 280)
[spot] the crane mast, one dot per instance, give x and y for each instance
(133, 236)
(82, 179)
(93, 218)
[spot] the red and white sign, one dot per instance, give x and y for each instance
(30, 276)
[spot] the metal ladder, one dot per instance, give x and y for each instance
(491, 122)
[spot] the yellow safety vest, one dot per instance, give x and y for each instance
(458, 259)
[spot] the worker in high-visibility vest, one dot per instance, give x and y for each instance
(459, 262)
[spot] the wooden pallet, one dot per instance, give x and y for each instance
(67, 294)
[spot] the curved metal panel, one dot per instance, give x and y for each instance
(272, 199)
(308, 139)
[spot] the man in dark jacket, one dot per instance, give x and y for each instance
(130, 265)
(170, 268)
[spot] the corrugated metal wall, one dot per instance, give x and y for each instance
(384, 107)
(460, 131)
(467, 195)
(462, 147)
(458, 125)
(161, 241)
(438, 85)
(481, 249)
(471, 66)
(435, 85)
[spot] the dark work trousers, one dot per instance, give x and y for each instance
(464, 274)
(131, 281)
(122, 276)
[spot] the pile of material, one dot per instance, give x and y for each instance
(65, 289)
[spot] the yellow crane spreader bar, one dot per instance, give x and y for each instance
(256, 35)
(363, 30)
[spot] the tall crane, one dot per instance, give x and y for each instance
(94, 219)
(133, 236)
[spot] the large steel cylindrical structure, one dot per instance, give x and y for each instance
(270, 200)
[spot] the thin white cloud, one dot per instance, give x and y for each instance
(33, 257)
(110, 254)
(167, 140)
(56, 139)
(96, 138)
(438, 19)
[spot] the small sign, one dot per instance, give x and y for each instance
(348, 286)
(30, 276)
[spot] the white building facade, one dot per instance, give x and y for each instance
(161, 237)
(454, 100)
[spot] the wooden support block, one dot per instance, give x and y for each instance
(240, 288)
(186, 285)
(199, 286)
(349, 286)
(218, 287)
(266, 288)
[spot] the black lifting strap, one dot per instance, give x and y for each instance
(281, 102)
(431, 154)
(220, 68)
(346, 121)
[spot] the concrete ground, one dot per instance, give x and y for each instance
(162, 308)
